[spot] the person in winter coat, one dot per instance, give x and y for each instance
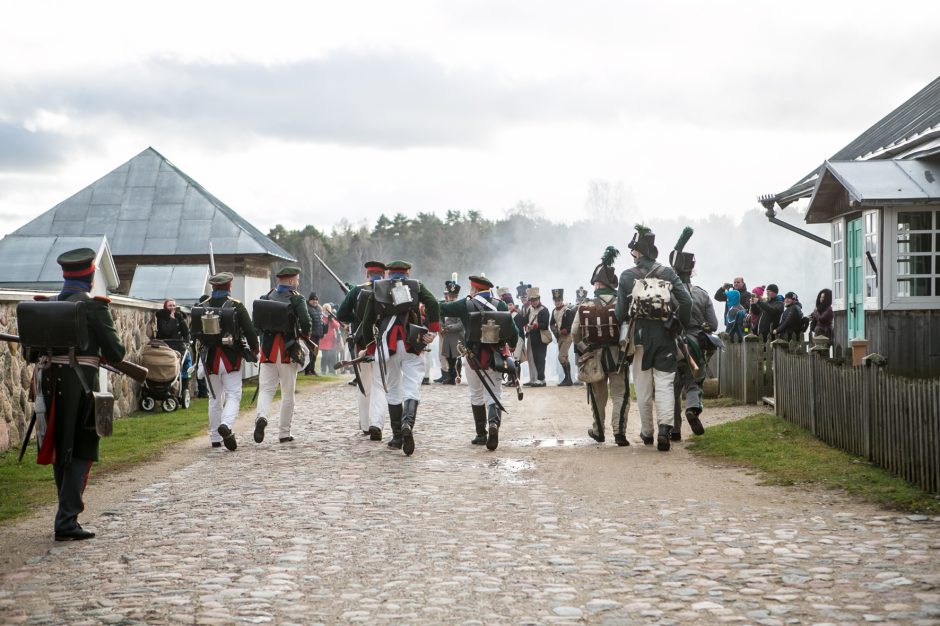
(734, 318)
(738, 285)
(771, 308)
(330, 342)
(820, 320)
(752, 319)
(791, 322)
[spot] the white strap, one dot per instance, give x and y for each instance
(485, 302)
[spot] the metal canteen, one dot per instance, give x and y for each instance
(211, 324)
(489, 333)
(401, 294)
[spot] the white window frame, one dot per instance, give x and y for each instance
(838, 247)
(872, 303)
(890, 264)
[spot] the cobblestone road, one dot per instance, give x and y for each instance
(337, 529)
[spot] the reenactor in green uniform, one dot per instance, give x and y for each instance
(224, 362)
(372, 404)
(652, 299)
(399, 345)
(284, 328)
(452, 331)
(486, 355)
(67, 433)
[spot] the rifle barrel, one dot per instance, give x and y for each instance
(10, 338)
(342, 285)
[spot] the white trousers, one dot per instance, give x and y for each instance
(269, 376)
(224, 401)
(404, 372)
(652, 387)
(372, 406)
(478, 393)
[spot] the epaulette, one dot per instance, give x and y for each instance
(233, 300)
(105, 299)
(40, 298)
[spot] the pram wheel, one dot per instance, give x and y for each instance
(169, 405)
(185, 399)
(147, 403)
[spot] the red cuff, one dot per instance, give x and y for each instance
(434, 327)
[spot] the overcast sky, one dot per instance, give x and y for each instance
(304, 112)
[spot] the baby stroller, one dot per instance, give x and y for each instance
(163, 384)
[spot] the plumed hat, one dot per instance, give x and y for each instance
(644, 242)
(605, 272)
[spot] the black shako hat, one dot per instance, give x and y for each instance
(644, 242)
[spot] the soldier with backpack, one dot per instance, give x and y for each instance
(222, 326)
(400, 340)
(282, 319)
(596, 334)
(652, 300)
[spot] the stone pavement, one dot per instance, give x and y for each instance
(337, 529)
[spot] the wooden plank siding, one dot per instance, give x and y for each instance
(909, 339)
(745, 370)
(892, 421)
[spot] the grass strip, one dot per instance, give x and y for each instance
(137, 437)
(787, 454)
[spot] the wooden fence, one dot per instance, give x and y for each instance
(745, 370)
(892, 421)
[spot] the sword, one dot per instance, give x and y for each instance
(380, 349)
(29, 433)
(472, 360)
(342, 285)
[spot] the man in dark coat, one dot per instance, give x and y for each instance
(652, 298)
(315, 312)
(282, 353)
(791, 322)
(771, 311)
(486, 415)
(738, 285)
(452, 331)
(538, 335)
(224, 362)
(65, 407)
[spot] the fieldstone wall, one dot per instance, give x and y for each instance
(134, 322)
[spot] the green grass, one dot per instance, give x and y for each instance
(786, 454)
(719, 403)
(137, 437)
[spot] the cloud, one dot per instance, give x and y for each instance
(23, 150)
(388, 99)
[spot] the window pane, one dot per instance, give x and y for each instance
(915, 220)
(837, 231)
(913, 287)
(914, 265)
(871, 290)
(837, 251)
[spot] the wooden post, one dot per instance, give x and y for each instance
(752, 348)
(779, 401)
(859, 350)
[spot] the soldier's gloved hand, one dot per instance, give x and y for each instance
(428, 338)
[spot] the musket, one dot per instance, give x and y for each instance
(342, 285)
(364, 358)
(380, 356)
(515, 370)
(131, 370)
(683, 347)
(472, 360)
(211, 261)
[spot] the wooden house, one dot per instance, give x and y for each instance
(881, 197)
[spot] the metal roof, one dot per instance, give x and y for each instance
(29, 262)
(183, 283)
(148, 206)
(849, 185)
(909, 131)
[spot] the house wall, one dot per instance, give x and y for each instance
(909, 339)
(134, 322)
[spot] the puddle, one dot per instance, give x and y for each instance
(548, 443)
(510, 470)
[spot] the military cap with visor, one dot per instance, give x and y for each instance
(222, 278)
(399, 265)
(77, 263)
(481, 282)
(375, 266)
(288, 270)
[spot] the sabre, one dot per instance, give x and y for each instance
(472, 360)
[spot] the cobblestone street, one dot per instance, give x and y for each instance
(549, 528)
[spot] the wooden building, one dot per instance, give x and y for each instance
(881, 197)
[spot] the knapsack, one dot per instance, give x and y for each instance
(651, 297)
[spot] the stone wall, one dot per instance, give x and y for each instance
(134, 322)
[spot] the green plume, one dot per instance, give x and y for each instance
(684, 238)
(610, 254)
(643, 230)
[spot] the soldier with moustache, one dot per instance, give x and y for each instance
(282, 354)
(651, 298)
(562, 318)
(452, 331)
(596, 334)
(224, 363)
(371, 398)
(399, 343)
(65, 407)
(487, 416)
(538, 335)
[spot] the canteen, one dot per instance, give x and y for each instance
(489, 332)
(211, 324)
(401, 294)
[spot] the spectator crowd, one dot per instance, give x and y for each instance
(764, 312)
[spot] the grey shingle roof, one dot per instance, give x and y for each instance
(900, 128)
(29, 262)
(148, 206)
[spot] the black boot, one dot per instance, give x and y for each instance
(409, 412)
(479, 420)
(621, 440)
(694, 422)
(598, 437)
(443, 377)
(492, 441)
(566, 381)
(394, 418)
(662, 439)
(675, 434)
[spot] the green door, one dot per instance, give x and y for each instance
(855, 279)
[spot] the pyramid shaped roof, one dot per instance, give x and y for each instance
(148, 206)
